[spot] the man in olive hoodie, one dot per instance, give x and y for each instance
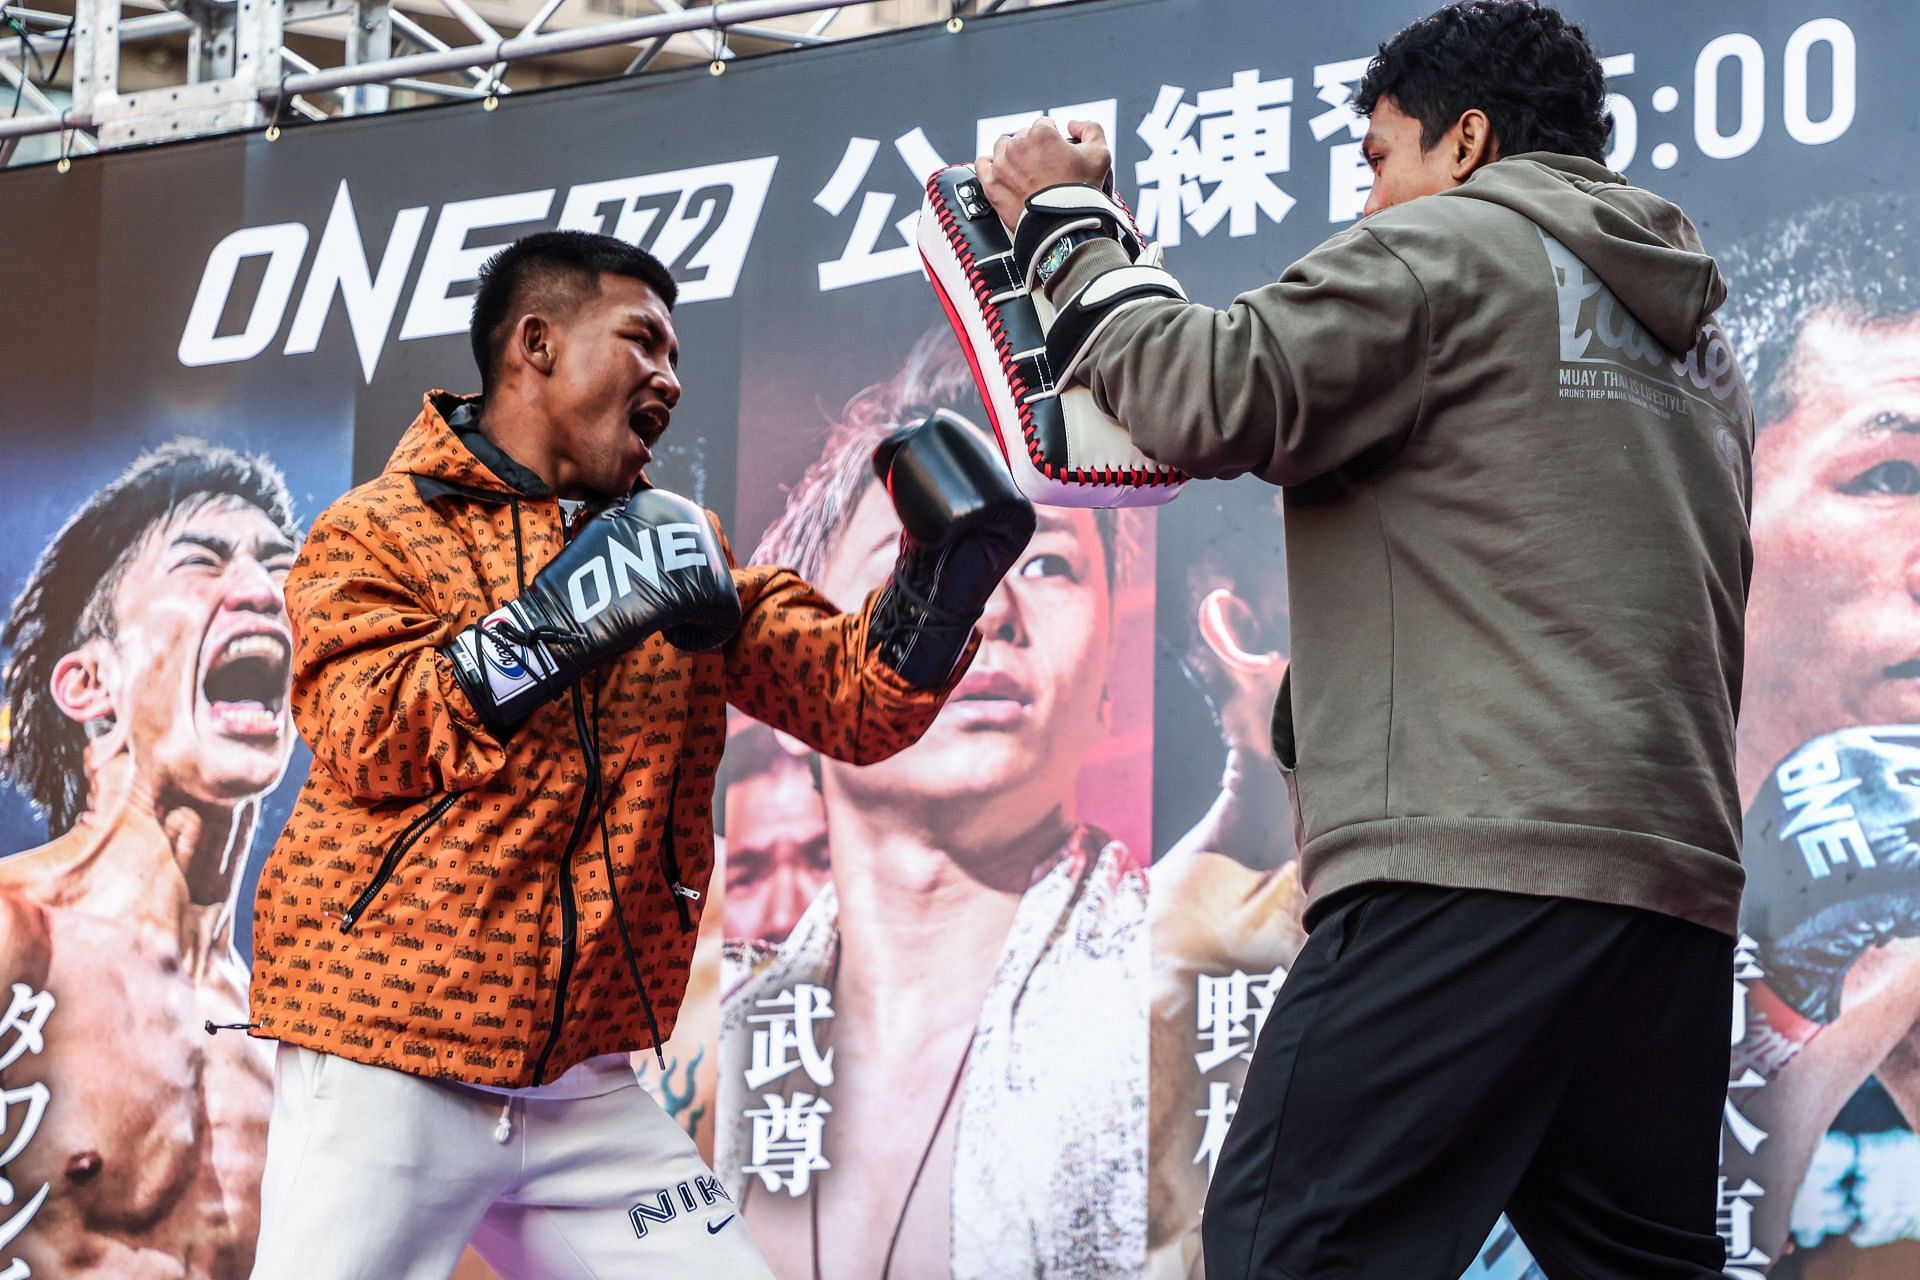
(1517, 458)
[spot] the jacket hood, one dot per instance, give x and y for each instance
(444, 443)
(1642, 247)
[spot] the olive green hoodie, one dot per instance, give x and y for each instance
(1518, 460)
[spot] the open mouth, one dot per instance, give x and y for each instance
(648, 421)
(246, 685)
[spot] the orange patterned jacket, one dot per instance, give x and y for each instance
(440, 901)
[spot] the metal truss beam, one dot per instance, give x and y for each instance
(25, 90)
(716, 18)
(242, 75)
(369, 39)
(150, 26)
(427, 40)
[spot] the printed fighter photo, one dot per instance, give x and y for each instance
(958, 640)
(147, 715)
(977, 914)
(1825, 1083)
(974, 929)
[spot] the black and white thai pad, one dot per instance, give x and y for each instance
(1061, 449)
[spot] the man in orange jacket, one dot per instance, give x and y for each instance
(512, 663)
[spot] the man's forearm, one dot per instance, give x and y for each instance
(807, 669)
(1290, 381)
(1176, 1182)
(1161, 368)
(1899, 1073)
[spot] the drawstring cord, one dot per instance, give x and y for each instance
(587, 732)
(589, 737)
(504, 1129)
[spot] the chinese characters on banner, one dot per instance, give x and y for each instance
(21, 1110)
(1229, 1013)
(1211, 160)
(864, 259)
(789, 1132)
(1758, 1052)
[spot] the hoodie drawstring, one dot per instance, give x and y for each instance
(589, 735)
(587, 731)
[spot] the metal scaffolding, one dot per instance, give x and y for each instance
(241, 75)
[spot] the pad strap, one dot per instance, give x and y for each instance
(1059, 210)
(1094, 307)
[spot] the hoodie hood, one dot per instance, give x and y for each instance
(444, 448)
(1642, 247)
(444, 444)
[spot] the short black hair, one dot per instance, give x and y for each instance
(1855, 260)
(1524, 64)
(557, 270)
(68, 600)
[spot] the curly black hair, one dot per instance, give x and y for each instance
(1532, 72)
(557, 270)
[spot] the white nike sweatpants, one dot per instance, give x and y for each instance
(374, 1174)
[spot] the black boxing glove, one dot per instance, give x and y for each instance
(651, 564)
(1832, 851)
(963, 524)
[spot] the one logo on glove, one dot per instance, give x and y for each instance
(1812, 786)
(688, 1197)
(609, 576)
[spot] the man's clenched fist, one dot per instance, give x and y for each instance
(1041, 156)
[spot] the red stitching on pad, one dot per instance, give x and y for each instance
(1029, 431)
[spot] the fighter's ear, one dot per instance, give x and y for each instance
(1471, 143)
(1221, 613)
(79, 684)
(532, 342)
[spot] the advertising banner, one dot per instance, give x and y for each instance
(981, 1010)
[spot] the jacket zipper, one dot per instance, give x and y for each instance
(618, 912)
(670, 862)
(569, 924)
(390, 862)
(569, 911)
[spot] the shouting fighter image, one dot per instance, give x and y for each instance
(512, 660)
(1516, 452)
(146, 690)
